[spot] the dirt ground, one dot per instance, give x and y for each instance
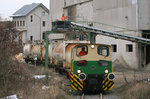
(57, 86)
(52, 86)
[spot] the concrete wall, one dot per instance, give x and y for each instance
(82, 10)
(124, 58)
(144, 14)
(120, 13)
(36, 28)
(56, 9)
(85, 11)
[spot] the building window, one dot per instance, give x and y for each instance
(114, 48)
(44, 23)
(43, 13)
(129, 48)
(20, 23)
(43, 36)
(17, 23)
(31, 18)
(31, 38)
(23, 23)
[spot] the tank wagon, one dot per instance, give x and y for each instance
(88, 65)
(32, 51)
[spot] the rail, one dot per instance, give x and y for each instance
(100, 96)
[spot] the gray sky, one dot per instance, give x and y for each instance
(8, 7)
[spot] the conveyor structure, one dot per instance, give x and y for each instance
(116, 35)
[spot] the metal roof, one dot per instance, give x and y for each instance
(26, 9)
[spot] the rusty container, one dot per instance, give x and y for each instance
(57, 54)
(62, 54)
(68, 55)
(36, 50)
(27, 50)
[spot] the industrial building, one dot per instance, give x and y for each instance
(124, 16)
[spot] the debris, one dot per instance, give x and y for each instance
(45, 87)
(19, 57)
(149, 80)
(40, 76)
(11, 97)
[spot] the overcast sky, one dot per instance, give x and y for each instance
(8, 7)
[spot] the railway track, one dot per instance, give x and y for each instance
(100, 96)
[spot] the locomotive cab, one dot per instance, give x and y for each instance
(91, 67)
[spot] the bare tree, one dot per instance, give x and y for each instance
(8, 48)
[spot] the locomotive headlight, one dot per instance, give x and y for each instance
(82, 76)
(111, 76)
(92, 46)
(106, 71)
(78, 71)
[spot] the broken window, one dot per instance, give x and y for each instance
(20, 23)
(44, 23)
(23, 23)
(129, 48)
(31, 38)
(17, 23)
(31, 18)
(43, 36)
(114, 48)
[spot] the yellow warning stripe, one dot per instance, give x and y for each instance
(78, 83)
(111, 87)
(71, 76)
(104, 81)
(71, 80)
(107, 82)
(103, 86)
(78, 79)
(105, 89)
(75, 84)
(79, 88)
(73, 87)
(106, 75)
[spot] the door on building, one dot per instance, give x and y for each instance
(146, 34)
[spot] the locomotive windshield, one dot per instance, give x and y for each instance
(82, 50)
(103, 50)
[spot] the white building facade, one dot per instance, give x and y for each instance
(123, 16)
(32, 22)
